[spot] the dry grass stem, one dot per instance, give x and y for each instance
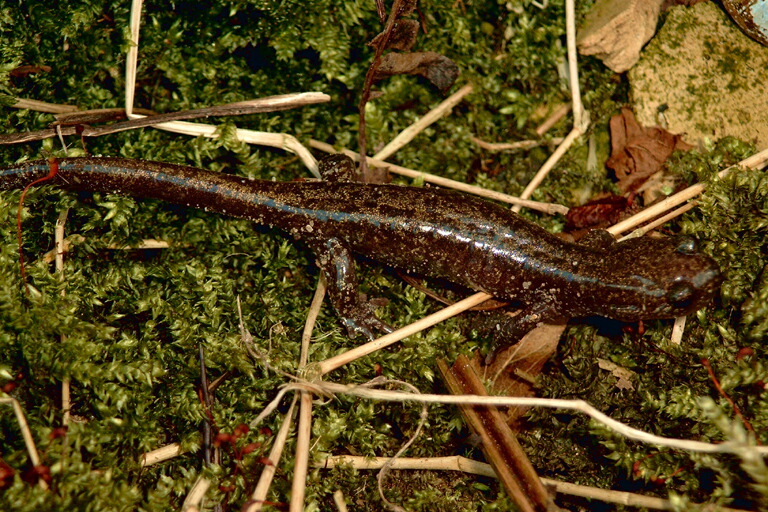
(309, 325)
(553, 119)
(756, 161)
(335, 362)
(194, 500)
(465, 465)
(42, 106)
(132, 59)
(513, 146)
(338, 500)
(388, 465)
(282, 141)
(268, 473)
(433, 115)
(572, 405)
(677, 330)
(549, 165)
(304, 433)
(580, 117)
(268, 104)
(301, 459)
(548, 208)
(26, 434)
(69, 242)
(660, 221)
(161, 454)
(452, 463)
(66, 401)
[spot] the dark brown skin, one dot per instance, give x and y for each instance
(431, 231)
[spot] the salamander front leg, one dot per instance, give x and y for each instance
(513, 329)
(336, 260)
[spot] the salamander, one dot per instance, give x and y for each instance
(430, 231)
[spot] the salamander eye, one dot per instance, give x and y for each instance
(686, 245)
(681, 294)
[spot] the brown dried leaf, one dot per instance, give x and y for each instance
(599, 212)
(403, 36)
(638, 152)
(22, 71)
(436, 68)
(407, 7)
(521, 364)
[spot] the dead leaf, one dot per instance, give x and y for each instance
(436, 68)
(625, 376)
(402, 37)
(638, 152)
(519, 365)
(23, 71)
(598, 212)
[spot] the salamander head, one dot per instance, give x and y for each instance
(658, 278)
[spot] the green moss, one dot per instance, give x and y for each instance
(134, 320)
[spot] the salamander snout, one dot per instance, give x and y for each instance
(664, 278)
(689, 293)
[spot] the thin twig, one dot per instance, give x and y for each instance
(408, 134)
(549, 165)
(301, 460)
(207, 403)
(338, 500)
(331, 388)
(20, 138)
(647, 228)
(579, 120)
(676, 338)
(756, 161)
(66, 403)
(161, 454)
(736, 408)
(26, 434)
(369, 76)
(282, 141)
(268, 104)
(552, 120)
(312, 314)
(514, 146)
(549, 208)
(268, 473)
(70, 241)
(132, 59)
(335, 362)
(465, 465)
(194, 500)
(42, 106)
(96, 116)
(580, 117)
(304, 431)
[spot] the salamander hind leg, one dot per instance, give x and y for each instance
(338, 264)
